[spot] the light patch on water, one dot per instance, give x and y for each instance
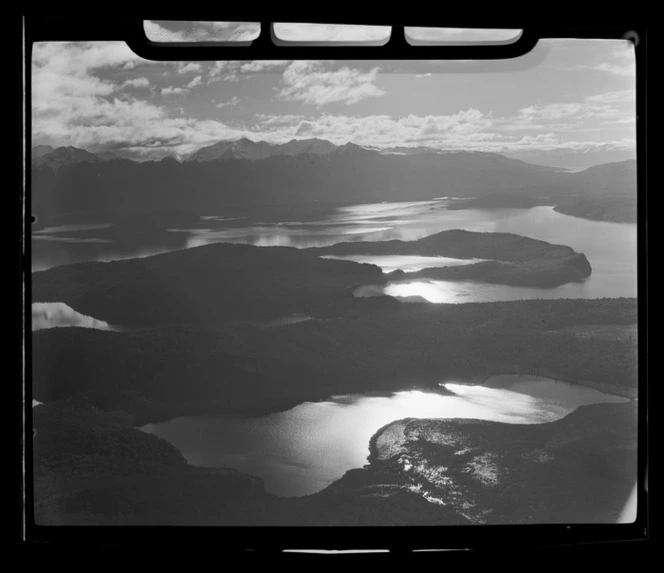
(301, 450)
(58, 239)
(446, 292)
(431, 291)
(286, 320)
(68, 228)
(220, 218)
(613, 259)
(406, 263)
(58, 314)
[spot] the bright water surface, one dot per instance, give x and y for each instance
(302, 450)
(610, 247)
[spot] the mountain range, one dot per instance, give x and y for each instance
(574, 159)
(45, 155)
(243, 148)
(249, 177)
(247, 149)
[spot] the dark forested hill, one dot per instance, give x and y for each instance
(515, 260)
(455, 243)
(159, 372)
(347, 175)
(206, 284)
(603, 192)
(224, 281)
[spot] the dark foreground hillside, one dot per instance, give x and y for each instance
(160, 372)
(81, 191)
(580, 469)
(205, 285)
(93, 468)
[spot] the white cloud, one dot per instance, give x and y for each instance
(618, 70)
(58, 314)
(214, 71)
(460, 35)
(231, 102)
(622, 62)
(195, 82)
(260, 65)
(232, 71)
(572, 115)
(201, 31)
(291, 32)
(381, 130)
(613, 97)
(469, 129)
(308, 82)
(284, 119)
(184, 68)
(171, 90)
(137, 83)
(76, 103)
(63, 74)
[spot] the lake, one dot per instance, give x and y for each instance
(610, 247)
(302, 450)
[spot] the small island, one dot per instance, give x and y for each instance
(222, 281)
(513, 260)
(540, 273)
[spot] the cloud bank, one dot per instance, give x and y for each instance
(58, 314)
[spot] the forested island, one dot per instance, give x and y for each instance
(221, 282)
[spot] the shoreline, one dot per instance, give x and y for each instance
(479, 380)
(372, 455)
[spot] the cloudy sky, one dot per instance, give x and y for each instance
(565, 94)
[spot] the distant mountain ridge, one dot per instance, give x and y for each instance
(251, 175)
(45, 155)
(574, 158)
(245, 177)
(41, 150)
(245, 148)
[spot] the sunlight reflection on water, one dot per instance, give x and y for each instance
(406, 263)
(613, 258)
(301, 450)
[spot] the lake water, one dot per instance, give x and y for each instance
(610, 247)
(302, 450)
